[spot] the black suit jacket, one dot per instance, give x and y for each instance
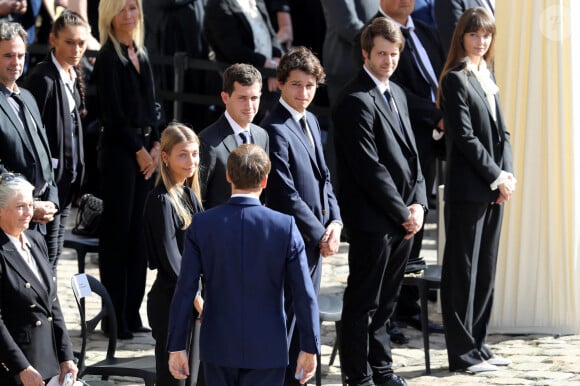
(217, 142)
(378, 167)
(230, 35)
(45, 84)
(16, 149)
(424, 114)
(478, 147)
(32, 327)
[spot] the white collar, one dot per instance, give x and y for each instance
(237, 128)
(482, 74)
(295, 114)
(68, 78)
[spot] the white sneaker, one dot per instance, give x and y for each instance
(499, 361)
(481, 367)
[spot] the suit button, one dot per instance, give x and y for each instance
(54, 278)
(38, 323)
(324, 212)
(49, 318)
(33, 306)
(27, 285)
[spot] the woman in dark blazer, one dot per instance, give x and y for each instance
(128, 156)
(34, 343)
(478, 180)
(169, 209)
(58, 87)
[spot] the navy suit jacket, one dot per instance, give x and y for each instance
(32, 327)
(478, 147)
(378, 167)
(246, 253)
(16, 149)
(299, 183)
(217, 142)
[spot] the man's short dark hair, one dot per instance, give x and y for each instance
(244, 74)
(9, 30)
(300, 58)
(381, 26)
(247, 166)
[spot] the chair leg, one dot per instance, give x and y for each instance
(81, 254)
(318, 370)
(425, 325)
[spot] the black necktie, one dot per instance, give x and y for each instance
(245, 136)
(395, 113)
(306, 132)
(40, 153)
(417, 58)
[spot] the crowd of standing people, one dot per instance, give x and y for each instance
(190, 202)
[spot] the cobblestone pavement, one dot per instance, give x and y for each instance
(538, 360)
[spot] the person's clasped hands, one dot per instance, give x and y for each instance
(44, 212)
(507, 186)
(331, 239)
(415, 220)
(148, 160)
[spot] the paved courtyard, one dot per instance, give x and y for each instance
(537, 359)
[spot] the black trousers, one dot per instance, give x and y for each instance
(467, 279)
(122, 259)
(376, 266)
(158, 304)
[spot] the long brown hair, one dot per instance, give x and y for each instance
(472, 20)
(172, 135)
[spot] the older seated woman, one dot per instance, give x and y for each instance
(34, 344)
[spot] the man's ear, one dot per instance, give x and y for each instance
(228, 179)
(264, 182)
(225, 97)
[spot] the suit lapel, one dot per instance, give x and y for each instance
(227, 133)
(9, 112)
(259, 136)
(479, 91)
(382, 106)
(14, 259)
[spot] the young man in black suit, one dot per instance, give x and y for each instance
(382, 199)
(241, 93)
(418, 73)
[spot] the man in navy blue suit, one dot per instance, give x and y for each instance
(247, 254)
(299, 184)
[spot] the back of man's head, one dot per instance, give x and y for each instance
(248, 165)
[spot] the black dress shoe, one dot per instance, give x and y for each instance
(397, 335)
(415, 322)
(141, 329)
(124, 335)
(394, 380)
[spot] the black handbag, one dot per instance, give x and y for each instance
(88, 221)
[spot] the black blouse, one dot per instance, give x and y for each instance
(126, 98)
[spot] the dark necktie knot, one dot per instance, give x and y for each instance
(245, 136)
(406, 32)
